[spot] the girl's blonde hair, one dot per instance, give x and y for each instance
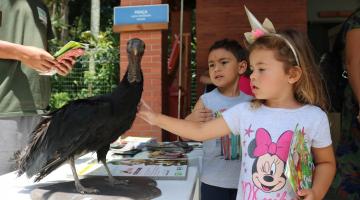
(309, 89)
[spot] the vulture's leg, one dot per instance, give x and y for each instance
(113, 181)
(80, 188)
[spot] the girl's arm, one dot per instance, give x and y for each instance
(325, 167)
(184, 128)
(199, 114)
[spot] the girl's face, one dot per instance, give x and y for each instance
(268, 78)
(224, 69)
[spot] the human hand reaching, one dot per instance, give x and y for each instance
(146, 113)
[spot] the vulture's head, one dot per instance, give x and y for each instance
(135, 50)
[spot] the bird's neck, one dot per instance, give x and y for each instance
(125, 86)
(134, 72)
(126, 94)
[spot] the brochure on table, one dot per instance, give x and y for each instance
(153, 168)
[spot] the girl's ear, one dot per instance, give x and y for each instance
(242, 66)
(294, 74)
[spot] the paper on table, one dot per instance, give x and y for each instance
(154, 168)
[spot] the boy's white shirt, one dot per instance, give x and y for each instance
(263, 131)
(215, 170)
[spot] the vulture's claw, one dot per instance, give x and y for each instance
(114, 181)
(83, 190)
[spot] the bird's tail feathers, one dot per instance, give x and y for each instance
(48, 168)
(29, 160)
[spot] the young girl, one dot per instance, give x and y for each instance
(288, 92)
(221, 160)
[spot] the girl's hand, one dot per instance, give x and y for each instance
(307, 194)
(201, 115)
(146, 113)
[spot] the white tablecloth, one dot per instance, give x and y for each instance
(19, 188)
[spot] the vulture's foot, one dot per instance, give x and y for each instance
(83, 190)
(80, 188)
(113, 181)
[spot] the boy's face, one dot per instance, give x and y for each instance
(224, 69)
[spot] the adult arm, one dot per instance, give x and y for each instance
(352, 60)
(33, 57)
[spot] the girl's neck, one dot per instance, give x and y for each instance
(230, 91)
(289, 103)
(286, 100)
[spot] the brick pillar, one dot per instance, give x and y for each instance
(152, 67)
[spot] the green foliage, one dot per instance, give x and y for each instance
(95, 73)
(59, 99)
(193, 63)
(82, 9)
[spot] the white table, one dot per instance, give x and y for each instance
(19, 188)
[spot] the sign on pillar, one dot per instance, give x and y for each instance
(137, 18)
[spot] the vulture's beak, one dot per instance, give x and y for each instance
(135, 52)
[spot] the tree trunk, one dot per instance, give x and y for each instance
(65, 19)
(95, 17)
(53, 15)
(94, 28)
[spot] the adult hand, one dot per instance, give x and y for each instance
(42, 61)
(37, 58)
(64, 66)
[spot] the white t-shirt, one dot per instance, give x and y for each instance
(221, 160)
(263, 132)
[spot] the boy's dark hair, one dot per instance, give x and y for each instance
(230, 45)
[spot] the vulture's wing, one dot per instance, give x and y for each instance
(73, 129)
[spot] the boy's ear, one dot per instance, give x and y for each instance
(294, 74)
(242, 66)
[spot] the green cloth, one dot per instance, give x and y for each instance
(23, 91)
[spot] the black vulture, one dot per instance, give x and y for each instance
(85, 125)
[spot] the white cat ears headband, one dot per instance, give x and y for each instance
(266, 28)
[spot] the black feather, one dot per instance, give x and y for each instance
(85, 125)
